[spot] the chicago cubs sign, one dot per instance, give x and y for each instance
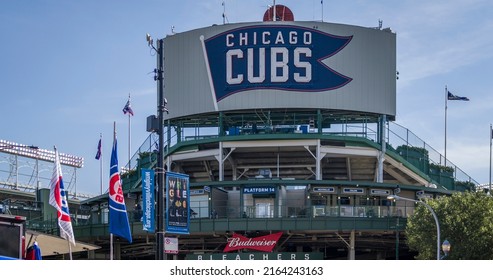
(280, 65)
(283, 57)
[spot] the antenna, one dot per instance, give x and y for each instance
(225, 18)
(380, 23)
(274, 17)
(149, 39)
(150, 42)
(322, 3)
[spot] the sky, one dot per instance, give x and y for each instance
(68, 67)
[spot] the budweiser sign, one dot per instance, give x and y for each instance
(264, 243)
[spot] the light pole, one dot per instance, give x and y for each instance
(161, 109)
(396, 197)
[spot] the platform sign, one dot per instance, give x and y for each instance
(177, 203)
(353, 191)
(323, 190)
(380, 192)
(259, 190)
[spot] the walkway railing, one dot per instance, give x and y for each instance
(399, 139)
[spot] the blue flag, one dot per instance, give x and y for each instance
(119, 224)
(455, 97)
(98, 153)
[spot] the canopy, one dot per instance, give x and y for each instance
(53, 245)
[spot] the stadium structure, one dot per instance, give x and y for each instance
(286, 129)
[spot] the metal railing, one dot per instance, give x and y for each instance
(255, 212)
(397, 137)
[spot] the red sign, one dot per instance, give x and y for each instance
(170, 245)
(264, 243)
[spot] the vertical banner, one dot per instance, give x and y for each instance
(148, 200)
(177, 203)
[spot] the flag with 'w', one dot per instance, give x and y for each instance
(119, 224)
(58, 199)
(451, 96)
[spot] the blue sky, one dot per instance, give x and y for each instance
(67, 68)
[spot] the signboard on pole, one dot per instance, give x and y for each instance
(148, 223)
(171, 245)
(177, 203)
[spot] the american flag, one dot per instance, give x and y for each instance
(58, 199)
(128, 108)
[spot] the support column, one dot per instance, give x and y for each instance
(91, 255)
(317, 164)
(352, 242)
(118, 251)
(221, 164)
(383, 145)
(221, 124)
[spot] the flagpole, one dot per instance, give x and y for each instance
(491, 137)
(101, 163)
(111, 246)
(64, 234)
(111, 234)
(446, 97)
(129, 139)
(69, 249)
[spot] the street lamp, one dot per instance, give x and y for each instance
(396, 197)
(445, 248)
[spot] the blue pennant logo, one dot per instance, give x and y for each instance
(282, 57)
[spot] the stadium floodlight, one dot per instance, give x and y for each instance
(35, 152)
(20, 148)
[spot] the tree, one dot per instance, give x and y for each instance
(466, 221)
